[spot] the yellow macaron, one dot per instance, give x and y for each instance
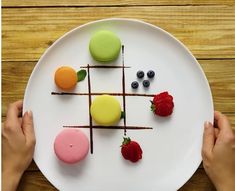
(105, 110)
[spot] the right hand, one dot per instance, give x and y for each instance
(218, 153)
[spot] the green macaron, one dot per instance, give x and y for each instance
(104, 46)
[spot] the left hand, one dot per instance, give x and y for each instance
(18, 142)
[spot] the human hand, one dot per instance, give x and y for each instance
(218, 153)
(18, 142)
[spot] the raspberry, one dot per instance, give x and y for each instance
(162, 104)
(131, 150)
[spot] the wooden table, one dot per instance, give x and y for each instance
(206, 27)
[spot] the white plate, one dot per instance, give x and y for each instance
(171, 151)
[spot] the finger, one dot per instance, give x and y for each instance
(216, 132)
(27, 127)
(12, 123)
(208, 140)
(222, 122)
(14, 110)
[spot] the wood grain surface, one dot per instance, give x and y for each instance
(206, 27)
(86, 3)
(205, 30)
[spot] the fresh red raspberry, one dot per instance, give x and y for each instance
(131, 150)
(162, 104)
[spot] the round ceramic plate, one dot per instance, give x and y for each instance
(171, 150)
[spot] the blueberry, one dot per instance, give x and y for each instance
(140, 74)
(135, 85)
(151, 74)
(146, 83)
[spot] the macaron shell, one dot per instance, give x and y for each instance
(105, 46)
(106, 110)
(71, 145)
(65, 77)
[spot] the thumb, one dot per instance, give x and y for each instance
(27, 127)
(208, 140)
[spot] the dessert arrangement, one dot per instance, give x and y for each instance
(152, 118)
(71, 144)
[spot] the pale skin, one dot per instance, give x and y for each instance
(218, 153)
(18, 142)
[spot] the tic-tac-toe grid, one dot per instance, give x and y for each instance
(123, 94)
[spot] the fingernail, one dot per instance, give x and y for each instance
(207, 124)
(30, 113)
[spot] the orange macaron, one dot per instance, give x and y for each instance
(65, 78)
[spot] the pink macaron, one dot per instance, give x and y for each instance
(71, 145)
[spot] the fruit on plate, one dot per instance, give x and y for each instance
(131, 150)
(151, 74)
(65, 78)
(140, 74)
(135, 85)
(146, 83)
(162, 104)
